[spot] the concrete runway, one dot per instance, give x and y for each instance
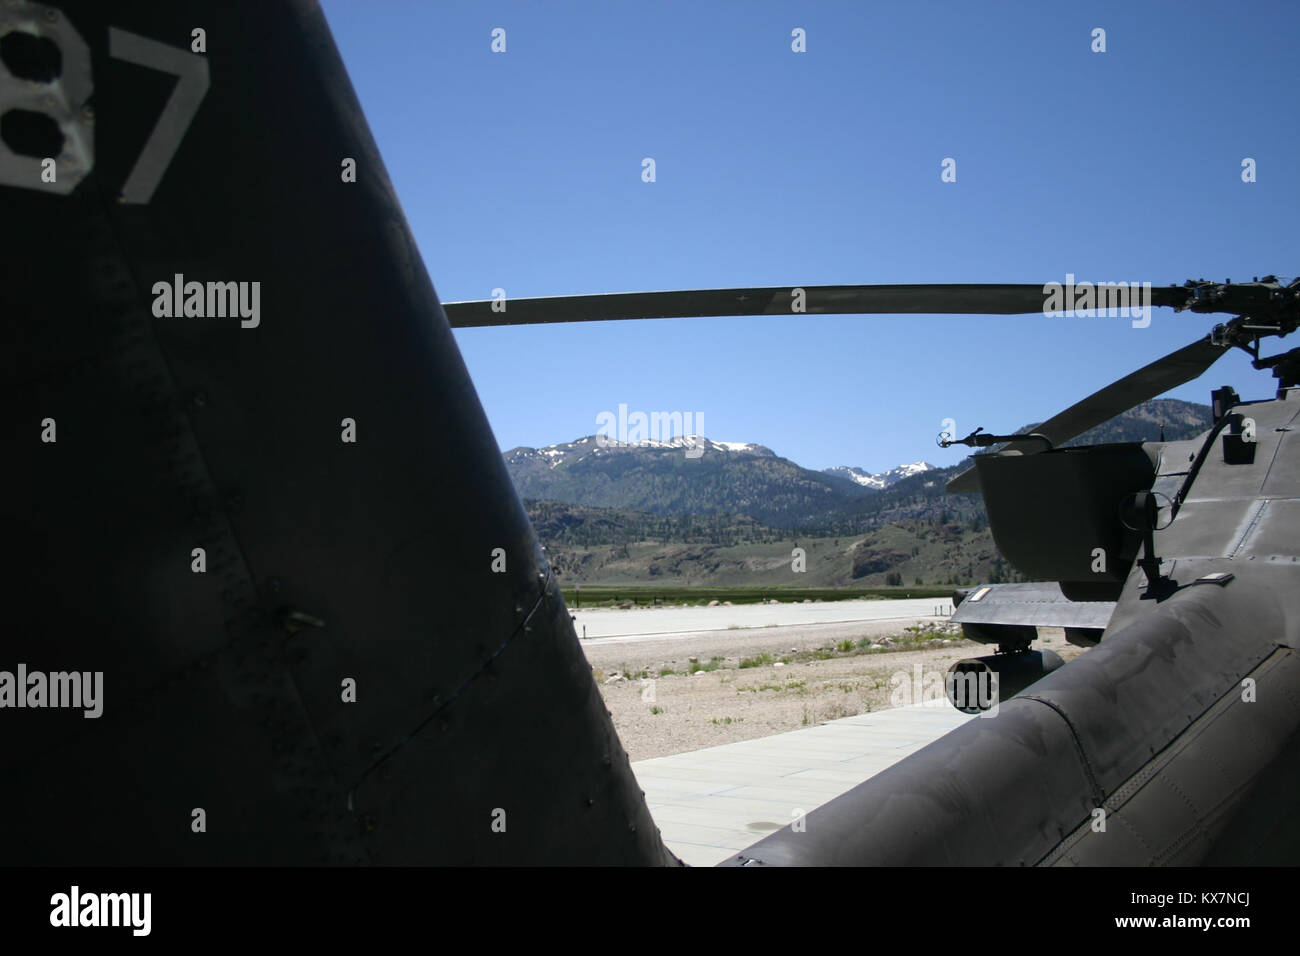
(613, 625)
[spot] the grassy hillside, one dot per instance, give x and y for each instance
(909, 553)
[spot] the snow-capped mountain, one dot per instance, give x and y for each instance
(882, 480)
(680, 476)
(699, 476)
(572, 452)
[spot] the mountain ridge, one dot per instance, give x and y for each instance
(698, 476)
(909, 532)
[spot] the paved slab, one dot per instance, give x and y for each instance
(711, 803)
(598, 625)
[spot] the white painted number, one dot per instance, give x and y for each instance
(62, 100)
(191, 87)
(65, 99)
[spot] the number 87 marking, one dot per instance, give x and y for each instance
(65, 100)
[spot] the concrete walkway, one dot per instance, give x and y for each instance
(711, 803)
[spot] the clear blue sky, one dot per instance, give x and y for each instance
(522, 170)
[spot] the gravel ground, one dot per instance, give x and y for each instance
(659, 715)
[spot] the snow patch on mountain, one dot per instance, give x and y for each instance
(883, 479)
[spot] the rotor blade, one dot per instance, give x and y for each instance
(1173, 370)
(778, 300)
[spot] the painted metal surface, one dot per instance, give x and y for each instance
(477, 734)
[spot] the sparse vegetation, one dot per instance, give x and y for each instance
(909, 640)
(837, 710)
(818, 684)
(793, 683)
(594, 595)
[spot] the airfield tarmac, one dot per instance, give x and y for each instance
(637, 623)
(726, 755)
(646, 659)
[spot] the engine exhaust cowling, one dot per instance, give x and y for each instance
(977, 684)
